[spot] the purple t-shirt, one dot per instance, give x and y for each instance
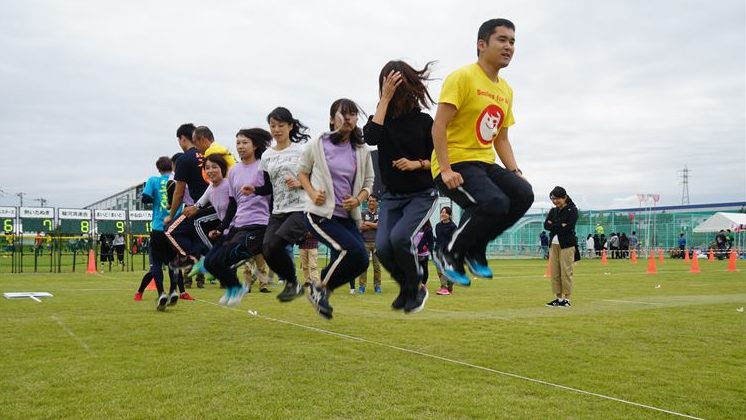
(251, 209)
(219, 198)
(342, 165)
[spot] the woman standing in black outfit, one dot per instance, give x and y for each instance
(560, 223)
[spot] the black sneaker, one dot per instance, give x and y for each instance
(399, 302)
(416, 305)
(553, 304)
(173, 298)
(319, 298)
(162, 302)
(264, 289)
(564, 304)
(290, 292)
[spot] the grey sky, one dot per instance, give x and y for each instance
(611, 98)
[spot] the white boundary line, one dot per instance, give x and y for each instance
(631, 301)
(72, 334)
(458, 362)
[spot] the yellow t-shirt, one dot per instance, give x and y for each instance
(483, 108)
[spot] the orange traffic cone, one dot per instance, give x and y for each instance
(732, 261)
(603, 258)
(633, 257)
(91, 262)
(652, 269)
(660, 255)
(711, 255)
(695, 263)
(151, 285)
(686, 255)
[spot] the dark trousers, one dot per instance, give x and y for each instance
(204, 221)
(239, 245)
(183, 237)
(400, 217)
(283, 230)
(493, 199)
(349, 258)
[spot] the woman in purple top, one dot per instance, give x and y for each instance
(336, 170)
(246, 216)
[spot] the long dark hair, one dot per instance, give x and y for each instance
(298, 133)
(345, 106)
(259, 137)
(412, 92)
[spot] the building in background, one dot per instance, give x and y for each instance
(128, 199)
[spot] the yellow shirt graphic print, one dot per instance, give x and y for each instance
(483, 108)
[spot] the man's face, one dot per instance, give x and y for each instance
(372, 203)
(184, 143)
(499, 48)
(201, 143)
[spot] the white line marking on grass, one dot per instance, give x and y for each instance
(631, 301)
(72, 334)
(457, 362)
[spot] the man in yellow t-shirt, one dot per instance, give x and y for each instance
(471, 124)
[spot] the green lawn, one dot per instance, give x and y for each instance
(489, 351)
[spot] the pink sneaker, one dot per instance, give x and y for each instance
(185, 296)
(443, 291)
(138, 297)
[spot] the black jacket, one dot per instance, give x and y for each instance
(568, 216)
(408, 136)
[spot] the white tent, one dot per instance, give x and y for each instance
(721, 221)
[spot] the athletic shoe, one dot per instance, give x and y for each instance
(226, 296)
(200, 280)
(238, 293)
(198, 267)
(173, 299)
(138, 297)
(360, 289)
(479, 266)
(564, 304)
(290, 292)
(451, 268)
(352, 291)
(264, 289)
(553, 304)
(378, 290)
(319, 298)
(399, 302)
(162, 302)
(443, 291)
(416, 305)
(185, 296)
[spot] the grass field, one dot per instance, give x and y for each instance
(632, 345)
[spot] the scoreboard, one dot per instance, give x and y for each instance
(110, 221)
(37, 219)
(7, 219)
(140, 222)
(77, 221)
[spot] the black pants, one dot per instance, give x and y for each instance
(239, 245)
(493, 199)
(282, 230)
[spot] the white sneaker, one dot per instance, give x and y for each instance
(352, 291)
(238, 293)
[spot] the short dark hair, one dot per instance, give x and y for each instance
(488, 28)
(373, 196)
(259, 137)
(203, 131)
(164, 164)
(447, 209)
(219, 160)
(185, 130)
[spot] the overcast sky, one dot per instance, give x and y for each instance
(611, 98)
